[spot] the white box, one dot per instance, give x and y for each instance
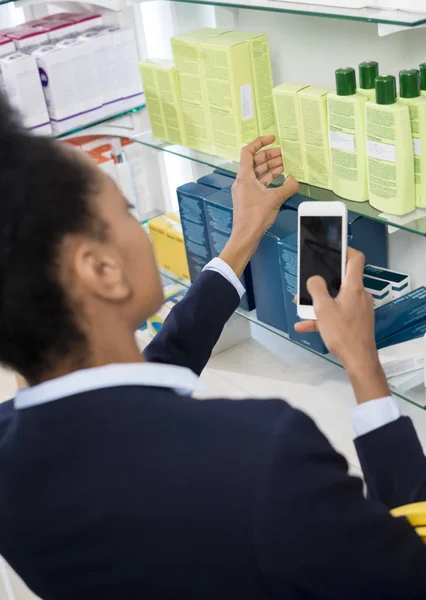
(403, 358)
(7, 46)
(70, 84)
(85, 21)
(21, 81)
(28, 35)
(107, 68)
(380, 290)
(130, 81)
(400, 282)
(335, 3)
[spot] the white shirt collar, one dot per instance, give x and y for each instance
(181, 380)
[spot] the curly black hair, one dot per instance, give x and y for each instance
(45, 194)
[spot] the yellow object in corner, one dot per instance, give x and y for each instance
(415, 513)
(169, 246)
(313, 110)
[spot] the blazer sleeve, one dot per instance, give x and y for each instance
(314, 530)
(393, 463)
(193, 327)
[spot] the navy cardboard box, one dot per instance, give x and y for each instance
(191, 198)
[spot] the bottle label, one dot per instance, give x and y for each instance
(386, 152)
(342, 141)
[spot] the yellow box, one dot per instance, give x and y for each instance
(262, 80)
(313, 111)
(230, 93)
(153, 100)
(163, 100)
(290, 132)
(169, 246)
(176, 250)
(157, 229)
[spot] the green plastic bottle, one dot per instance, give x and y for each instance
(368, 71)
(423, 79)
(390, 157)
(346, 124)
(409, 92)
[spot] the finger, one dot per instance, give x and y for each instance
(354, 270)
(264, 155)
(270, 176)
(318, 291)
(285, 191)
(246, 168)
(306, 327)
(270, 164)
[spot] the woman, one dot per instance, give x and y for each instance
(114, 482)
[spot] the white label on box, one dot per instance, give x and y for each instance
(246, 96)
(386, 152)
(417, 147)
(342, 141)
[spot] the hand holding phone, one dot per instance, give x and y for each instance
(322, 248)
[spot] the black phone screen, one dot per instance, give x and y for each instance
(320, 254)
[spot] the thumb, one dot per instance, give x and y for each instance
(285, 191)
(318, 291)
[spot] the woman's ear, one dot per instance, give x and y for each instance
(98, 268)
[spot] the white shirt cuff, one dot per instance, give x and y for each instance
(220, 266)
(374, 414)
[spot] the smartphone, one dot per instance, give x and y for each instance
(322, 248)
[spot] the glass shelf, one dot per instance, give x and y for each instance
(95, 123)
(369, 15)
(415, 396)
(135, 125)
(366, 15)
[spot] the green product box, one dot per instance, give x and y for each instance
(262, 80)
(186, 51)
(230, 93)
(290, 132)
(313, 111)
(163, 100)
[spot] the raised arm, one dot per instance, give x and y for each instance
(193, 327)
(389, 450)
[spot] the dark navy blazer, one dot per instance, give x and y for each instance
(134, 492)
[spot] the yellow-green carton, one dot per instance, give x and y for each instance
(313, 111)
(262, 80)
(163, 101)
(290, 132)
(186, 49)
(230, 94)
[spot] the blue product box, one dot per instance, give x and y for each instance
(410, 333)
(217, 180)
(219, 210)
(370, 238)
(266, 272)
(191, 198)
(223, 171)
(288, 261)
(400, 314)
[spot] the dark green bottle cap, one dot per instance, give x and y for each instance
(409, 83)
(345, 82)
(385, 89)
(423, 76)
(368, 71)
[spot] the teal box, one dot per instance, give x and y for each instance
(219, 212)
(407, 334)
(218, 181)
(191, 198)
(400, 315)
(287, 248)
(266, 272)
